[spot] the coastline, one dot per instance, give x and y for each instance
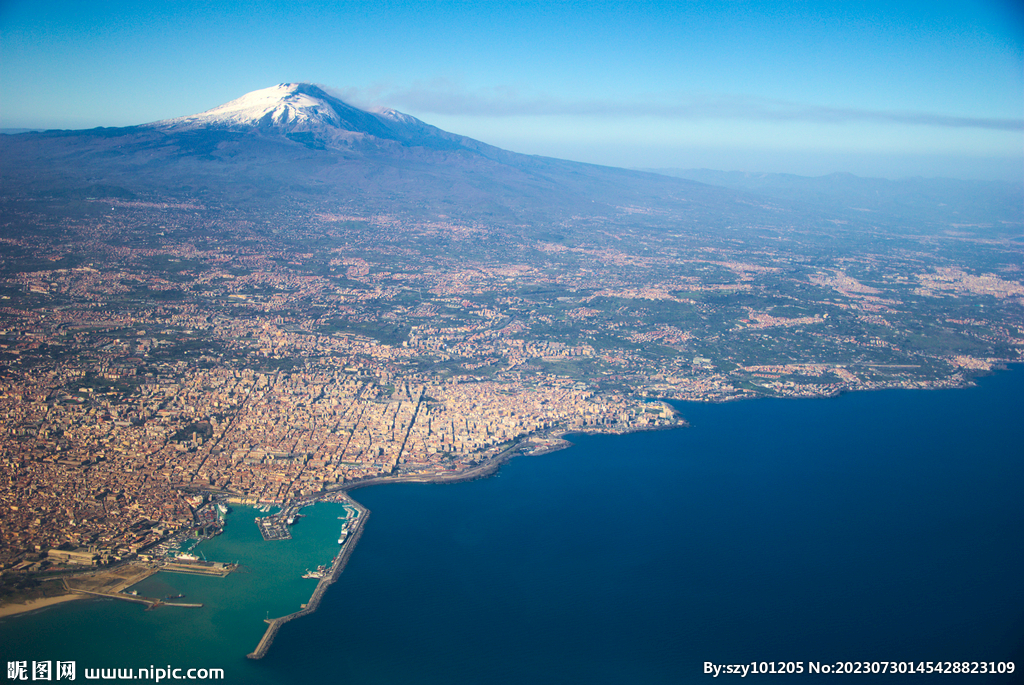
(316, 622)
(541, 442)
(547, 441)
(341, 495)
(555, 441)
(14, 609)
(554, 436)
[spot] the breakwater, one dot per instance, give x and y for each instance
(340, 560)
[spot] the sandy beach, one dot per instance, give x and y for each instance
(33, 604)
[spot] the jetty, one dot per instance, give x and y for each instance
(355, 531)
(150, 602)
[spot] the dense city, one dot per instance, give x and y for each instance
(160, 355)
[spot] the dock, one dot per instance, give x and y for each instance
(276, 526)
(203, 568)
(273, 528)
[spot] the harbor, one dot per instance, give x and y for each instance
(266, 582)
(352, 528)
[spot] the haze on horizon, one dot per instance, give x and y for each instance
(875, 89)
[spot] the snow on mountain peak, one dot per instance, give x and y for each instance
(295, 106)
(307, 113)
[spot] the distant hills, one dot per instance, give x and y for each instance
(943, 200)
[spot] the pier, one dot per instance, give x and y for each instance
(203, 568)
(355, 532)
(275, 527)
(150, 602)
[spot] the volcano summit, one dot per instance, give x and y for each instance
(307, 113)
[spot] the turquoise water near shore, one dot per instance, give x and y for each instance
(102, 633)
(873, 526)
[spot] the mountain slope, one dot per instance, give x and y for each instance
(296, 140)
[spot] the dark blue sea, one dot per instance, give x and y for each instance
(883, 526)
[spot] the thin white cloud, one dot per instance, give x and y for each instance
(446, 98)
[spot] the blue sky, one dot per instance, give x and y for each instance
(877, 89)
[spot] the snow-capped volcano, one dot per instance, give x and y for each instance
(308, 114)
(292, 108)
(286, 104)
